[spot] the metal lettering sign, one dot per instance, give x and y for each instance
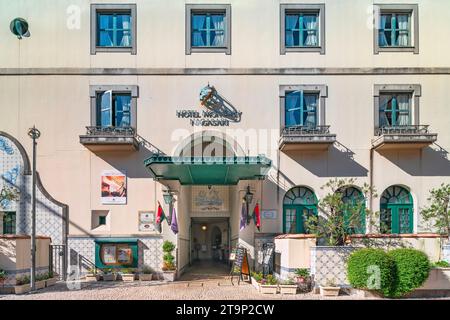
(220, 112)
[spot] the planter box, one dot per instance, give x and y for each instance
(146, 276)
(438, 279)
(39, 284)
(329, 291)
(128, 277)
(92, 277)
(255, 284)
(268, 288)
(110, 277)
(50, 282)
(288, 288)
(169, 275)
(21, 289)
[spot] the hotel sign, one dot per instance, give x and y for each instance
(219, 111)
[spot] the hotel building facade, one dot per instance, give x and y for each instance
(210, 101)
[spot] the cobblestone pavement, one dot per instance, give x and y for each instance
(180, 290)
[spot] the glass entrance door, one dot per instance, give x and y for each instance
(295, 217)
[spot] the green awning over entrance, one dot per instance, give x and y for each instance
(208, 170)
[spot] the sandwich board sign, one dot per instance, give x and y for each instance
(240, 267)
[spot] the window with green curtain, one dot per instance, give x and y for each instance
(354, 200)
(208, 29)
(113, 109)
(301, 108)
(114, 29)
(395, 109)
(395, 30)
(9, 222)
(302, 29)
(396, 211)
(298, 204)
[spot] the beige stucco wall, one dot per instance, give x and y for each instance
(15, 253)
(59, 105)
(255, 36)
(295, 253)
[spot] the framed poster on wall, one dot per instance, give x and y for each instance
(114, 187)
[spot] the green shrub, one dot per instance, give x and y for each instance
(168, 246)
(3, 274)
(302, 272)
(257, 275)
(146, 269)
(441, 264)
(412, 268)
(361, 276)
(25, 279)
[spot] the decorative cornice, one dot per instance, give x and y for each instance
(223, 71)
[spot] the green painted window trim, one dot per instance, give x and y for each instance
(299, 208)
(394, 29)
(392, 211)
(394, 110)
(303, 108)
(115, 29)
(9, 222)
(132, 242)
(302, 29)
(208, 28)
(362, 227)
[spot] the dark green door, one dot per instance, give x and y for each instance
(294, 217)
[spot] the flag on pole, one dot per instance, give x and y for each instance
(257, 217)
(243, 221)
(160, 216)
(174, 223)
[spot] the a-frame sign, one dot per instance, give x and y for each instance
(240, 267)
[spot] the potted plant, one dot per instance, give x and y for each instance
(51, 279)
(169, 269)
(329, 289)
(22, 284)
(109, 275)
(268, 285)
(92, 275)
(288, 286)
(127, 275)
(303, 279)
(146, 273)
(40, 281)
(256, 279)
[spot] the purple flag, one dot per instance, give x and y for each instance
(243, 222)
(174, 223)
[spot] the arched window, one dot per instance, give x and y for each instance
(396, 211)
(354, 200)
(298, 204)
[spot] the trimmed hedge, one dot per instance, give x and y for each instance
(401, 270)
(412, 268)
(361, 276)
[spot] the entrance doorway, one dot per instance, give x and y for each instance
(210, 240)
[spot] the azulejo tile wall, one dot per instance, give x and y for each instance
(329, 264)
(15, 172)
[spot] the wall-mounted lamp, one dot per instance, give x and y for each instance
(168, 196)
(19, 27)
(204, 227)
(248, 196)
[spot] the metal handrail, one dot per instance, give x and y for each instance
(110, 131)
(306, 130)
(408, 129)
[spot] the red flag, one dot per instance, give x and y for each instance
(160, 216)
(257, 216)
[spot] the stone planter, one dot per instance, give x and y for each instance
(92, 277)
(146, 276)
(39, 284)
(255, 284)
(268, 288)
(329, 291)
(109, 277)
(169, 275)
(288, 288)
(50, 282)
(128, 277)
(21, 289)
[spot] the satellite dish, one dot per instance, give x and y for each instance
(19, 27)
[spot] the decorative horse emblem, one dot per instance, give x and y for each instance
(212, 100)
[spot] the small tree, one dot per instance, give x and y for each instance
(438, 212)
(339, 217)
(168, 258)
